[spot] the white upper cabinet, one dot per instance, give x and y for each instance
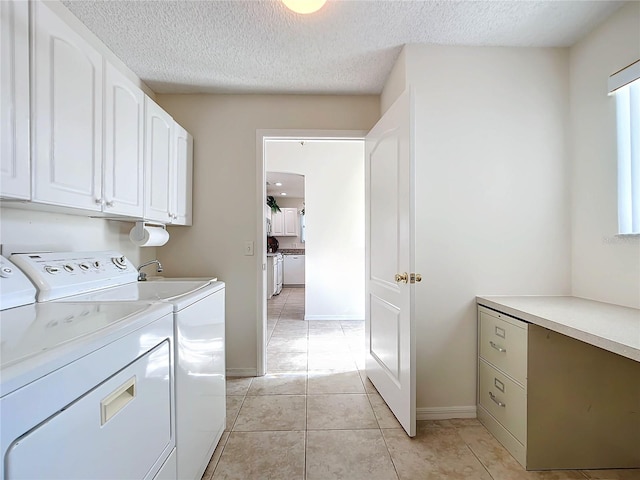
(285, 223)
(158, 155)
(97, 142)
(123, 145)
(290, 222)
(277, 224)
(182, 177)
(67, 124)
(15, 170)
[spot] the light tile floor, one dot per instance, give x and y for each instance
(315, 416)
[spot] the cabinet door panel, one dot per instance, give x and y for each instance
(124, 145)
(157, 157)
(15, 163)
(277, 224)
(182, 177)
(67, 102)
(290, 222)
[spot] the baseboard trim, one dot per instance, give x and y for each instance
(446, 413)
(242, 372)
(334, 317)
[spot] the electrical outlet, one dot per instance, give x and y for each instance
(248, 248)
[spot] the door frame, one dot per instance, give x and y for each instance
(263, 135)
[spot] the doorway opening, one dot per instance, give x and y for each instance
(332, 164)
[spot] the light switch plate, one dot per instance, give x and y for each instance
(248, 248)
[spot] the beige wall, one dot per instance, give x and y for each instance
(224, 197)
(605, 267)
(492, 203)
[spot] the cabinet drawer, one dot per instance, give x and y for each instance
(504, 399)
(503, 342)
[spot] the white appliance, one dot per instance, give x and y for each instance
(199, 322)
(86, 390)
(274, 274)
(279, 273)
(294, 270)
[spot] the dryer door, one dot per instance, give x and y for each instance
(119, 429)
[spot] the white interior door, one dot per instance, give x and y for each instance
(389, 322)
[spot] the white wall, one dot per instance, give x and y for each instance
(56, 231)
(492, 203)
(605, 267)
(225, 197)
(334, 217)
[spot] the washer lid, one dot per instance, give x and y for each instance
(39, 338)
(176, 291)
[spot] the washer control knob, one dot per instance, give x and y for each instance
(84, 266)
(6, 272)
(97, 264)
(69, 268)
(120, 262)
(51, 269)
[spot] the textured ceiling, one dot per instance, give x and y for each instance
(348, 47)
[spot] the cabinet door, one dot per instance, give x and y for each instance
(277, 224)
(182, 177)
(67, 107)
(15, 163)
(158, 155)
(290, 222)
(124, 145)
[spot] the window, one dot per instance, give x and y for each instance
(626, 86)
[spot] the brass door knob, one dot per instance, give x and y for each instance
(416, 278)
(402, 277)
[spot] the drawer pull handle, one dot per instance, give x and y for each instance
(117, 400)
(498, 347)
(496, 401)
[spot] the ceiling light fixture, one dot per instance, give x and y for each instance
(284, 194)
(278, 184)
(304, 6)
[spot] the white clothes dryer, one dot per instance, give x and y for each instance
(86, 390)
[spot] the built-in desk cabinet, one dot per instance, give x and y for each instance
(15, 163)
(553, 401)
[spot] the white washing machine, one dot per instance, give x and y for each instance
(86, 390)
(198, 307)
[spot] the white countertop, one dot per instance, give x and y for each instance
(610, 327)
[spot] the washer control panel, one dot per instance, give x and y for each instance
(62, 274)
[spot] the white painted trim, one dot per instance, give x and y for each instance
(241, 372)
(261, 228)
(446, 413)
(334, 317)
